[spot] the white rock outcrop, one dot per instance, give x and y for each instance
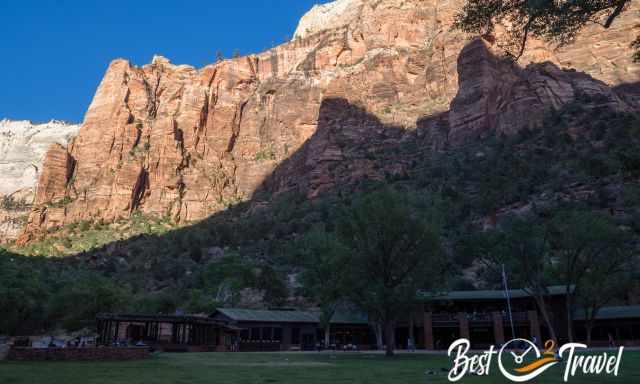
(23, 146)
(328, 16)
(22, 149)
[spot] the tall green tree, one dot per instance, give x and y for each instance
(23, 295)
(227, 277)
(522, 246)
(551, 20)
(323, 276)
(76, 304)
(605, 281)
(393, 253)
(225, 280)
(586, 246)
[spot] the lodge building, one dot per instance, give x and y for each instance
(177, 333)
(483, 317)
(276, 330)
(437, 320)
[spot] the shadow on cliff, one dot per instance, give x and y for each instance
(351, 146)
(351, 151)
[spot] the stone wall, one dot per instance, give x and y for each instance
(101, 353)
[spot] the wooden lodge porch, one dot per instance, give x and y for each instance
(167, 333)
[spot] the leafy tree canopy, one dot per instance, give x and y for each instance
(557, 21)
(394, 252)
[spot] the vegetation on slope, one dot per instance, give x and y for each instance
(580, 159)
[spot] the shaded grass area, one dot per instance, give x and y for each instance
(244, 368)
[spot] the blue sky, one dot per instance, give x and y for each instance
(53, 53)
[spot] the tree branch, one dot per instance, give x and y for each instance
(616, 12)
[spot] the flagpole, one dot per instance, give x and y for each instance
(506, 292)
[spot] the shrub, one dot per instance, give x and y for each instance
(265, 155)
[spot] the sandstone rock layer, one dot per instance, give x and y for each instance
(330, 107)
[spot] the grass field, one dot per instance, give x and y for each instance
(243, 368)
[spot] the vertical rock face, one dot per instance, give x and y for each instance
(23, 146)
(361, 77)
(499, 96)
(14, 210)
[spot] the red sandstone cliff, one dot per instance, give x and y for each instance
(184, 142)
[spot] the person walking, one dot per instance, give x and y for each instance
(612, 343)
(411, 347)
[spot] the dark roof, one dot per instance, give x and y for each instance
(288, 316)
(554, 290)
(617, 312)
(163, 318)
(350, 318)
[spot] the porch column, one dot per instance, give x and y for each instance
(534, 324)
(286, 337)
(464, 326)
(108, 339)
(117, 330)
(174, 333)
(100, 331)
(191, 334)
(428, 330)
(411, 335)
(498, 328)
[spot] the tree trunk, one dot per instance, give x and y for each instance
(389, 336)
(589, 328)
(377, 329)
(569, 309)
(411, 335)
(327, 335)
(545, 316)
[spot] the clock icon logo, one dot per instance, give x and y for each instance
(520, 360)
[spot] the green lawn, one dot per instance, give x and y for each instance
(227, 368)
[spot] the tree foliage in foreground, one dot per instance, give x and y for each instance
(323, 274)
(37, 295)
(521, 247)
(552, 20)
(584, 252)
(587, 246)
(393, 253)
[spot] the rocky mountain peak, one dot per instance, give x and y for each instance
(160, 60)
(336, 105)
(331, 15)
